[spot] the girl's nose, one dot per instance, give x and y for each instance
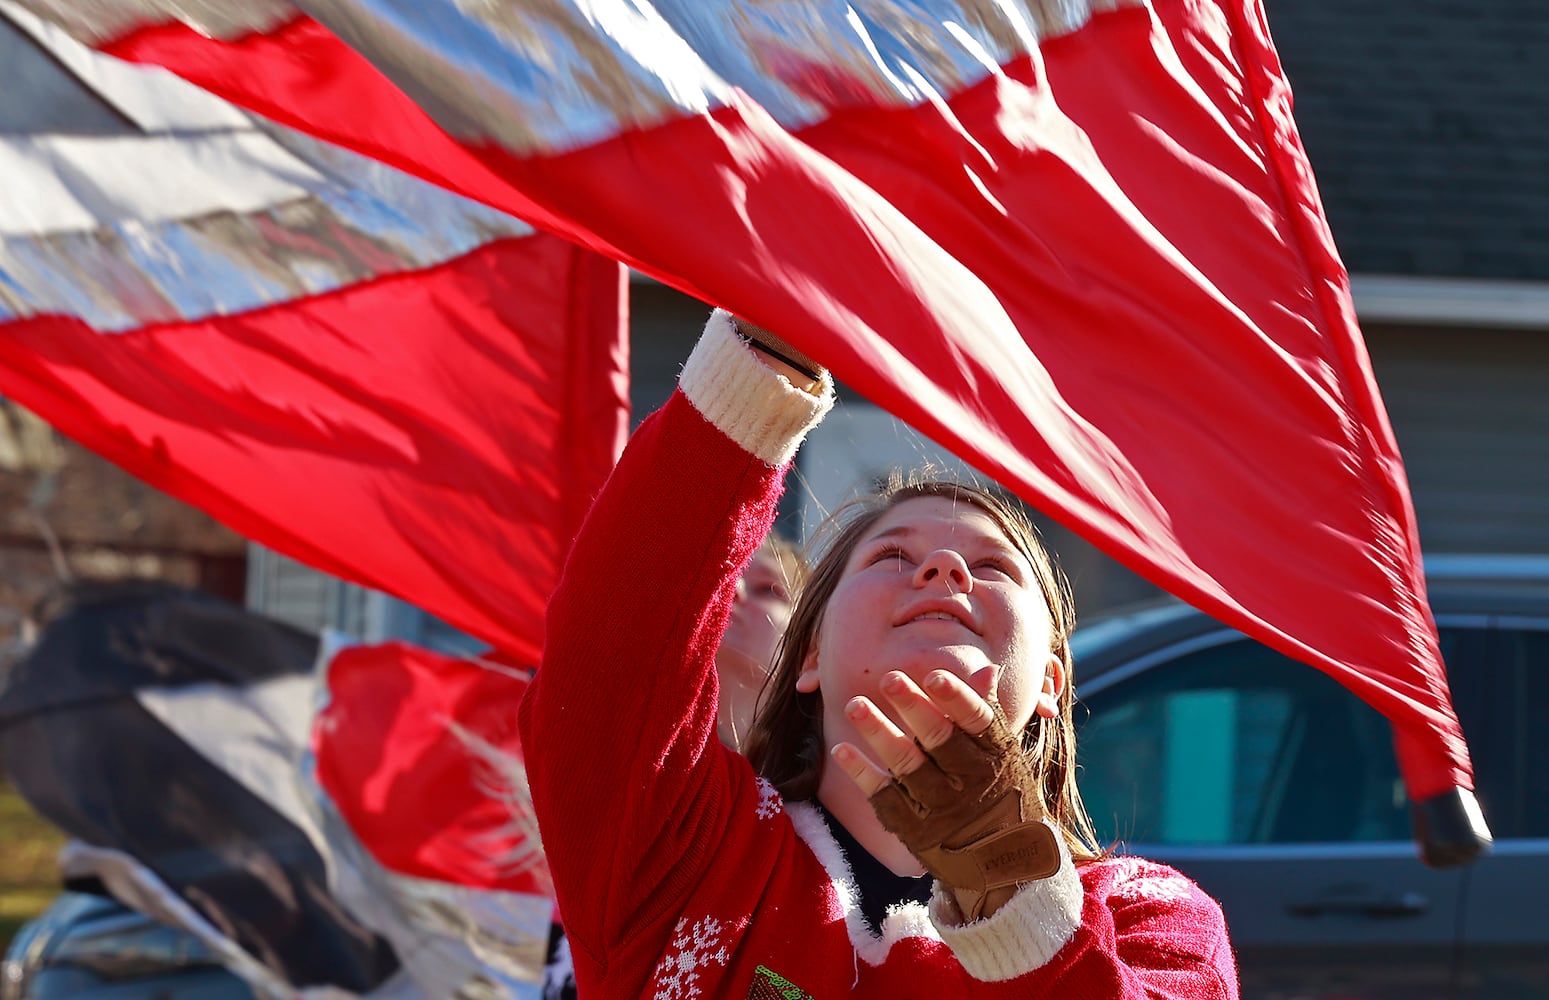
(740, 592)
(944, 566)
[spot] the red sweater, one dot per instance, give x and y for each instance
(682, 875)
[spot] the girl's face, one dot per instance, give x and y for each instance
(759, 612)
(934, 584)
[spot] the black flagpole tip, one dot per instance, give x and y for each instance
(1450, 829)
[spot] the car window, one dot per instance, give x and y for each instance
(1503, 703)
(1530, 650)
(1237, 744)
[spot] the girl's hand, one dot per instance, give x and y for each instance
(957, 788)
(950, 704)
(799, 370)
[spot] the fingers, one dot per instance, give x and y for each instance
(984, 681)
(926, 720)
(869, 777)
(947, 702)
(929, 715)
(885, 743)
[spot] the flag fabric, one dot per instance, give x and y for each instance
(417, 772)
(159, 727)
(1079, 244)
(328, 821)
(353, 367)
(356, 368)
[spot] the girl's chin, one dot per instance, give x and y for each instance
(961, 660)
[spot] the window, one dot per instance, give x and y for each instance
(1529, 652)
(1238, 744)
(1503, 702)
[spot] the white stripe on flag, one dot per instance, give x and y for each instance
(63, 183)
(151, 98)
(204, 211)
(255, 734)
(103, 22)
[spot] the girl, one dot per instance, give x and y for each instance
(919, 717)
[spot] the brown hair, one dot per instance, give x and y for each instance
(785, 742)
(788, 555)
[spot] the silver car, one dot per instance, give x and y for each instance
(1278, 791)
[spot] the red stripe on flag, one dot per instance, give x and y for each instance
(437, 435)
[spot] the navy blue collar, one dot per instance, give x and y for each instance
(879, 888)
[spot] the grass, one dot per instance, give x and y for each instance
(29, 878)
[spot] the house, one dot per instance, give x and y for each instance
(1428, 127)
(67, 514)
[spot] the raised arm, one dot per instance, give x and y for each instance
(629, 781)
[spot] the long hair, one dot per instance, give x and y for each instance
(785, 742)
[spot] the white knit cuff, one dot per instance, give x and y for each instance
(1022, 935)
(746, 399)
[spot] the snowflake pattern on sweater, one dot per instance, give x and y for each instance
(769, 801)
(692, 951)
(1141, 881)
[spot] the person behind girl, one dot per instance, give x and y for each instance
(918, 719)
(761, 607)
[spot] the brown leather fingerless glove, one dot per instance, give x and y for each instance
(973, 816)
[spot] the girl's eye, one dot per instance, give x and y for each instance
(998, 566)
(890, 553)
